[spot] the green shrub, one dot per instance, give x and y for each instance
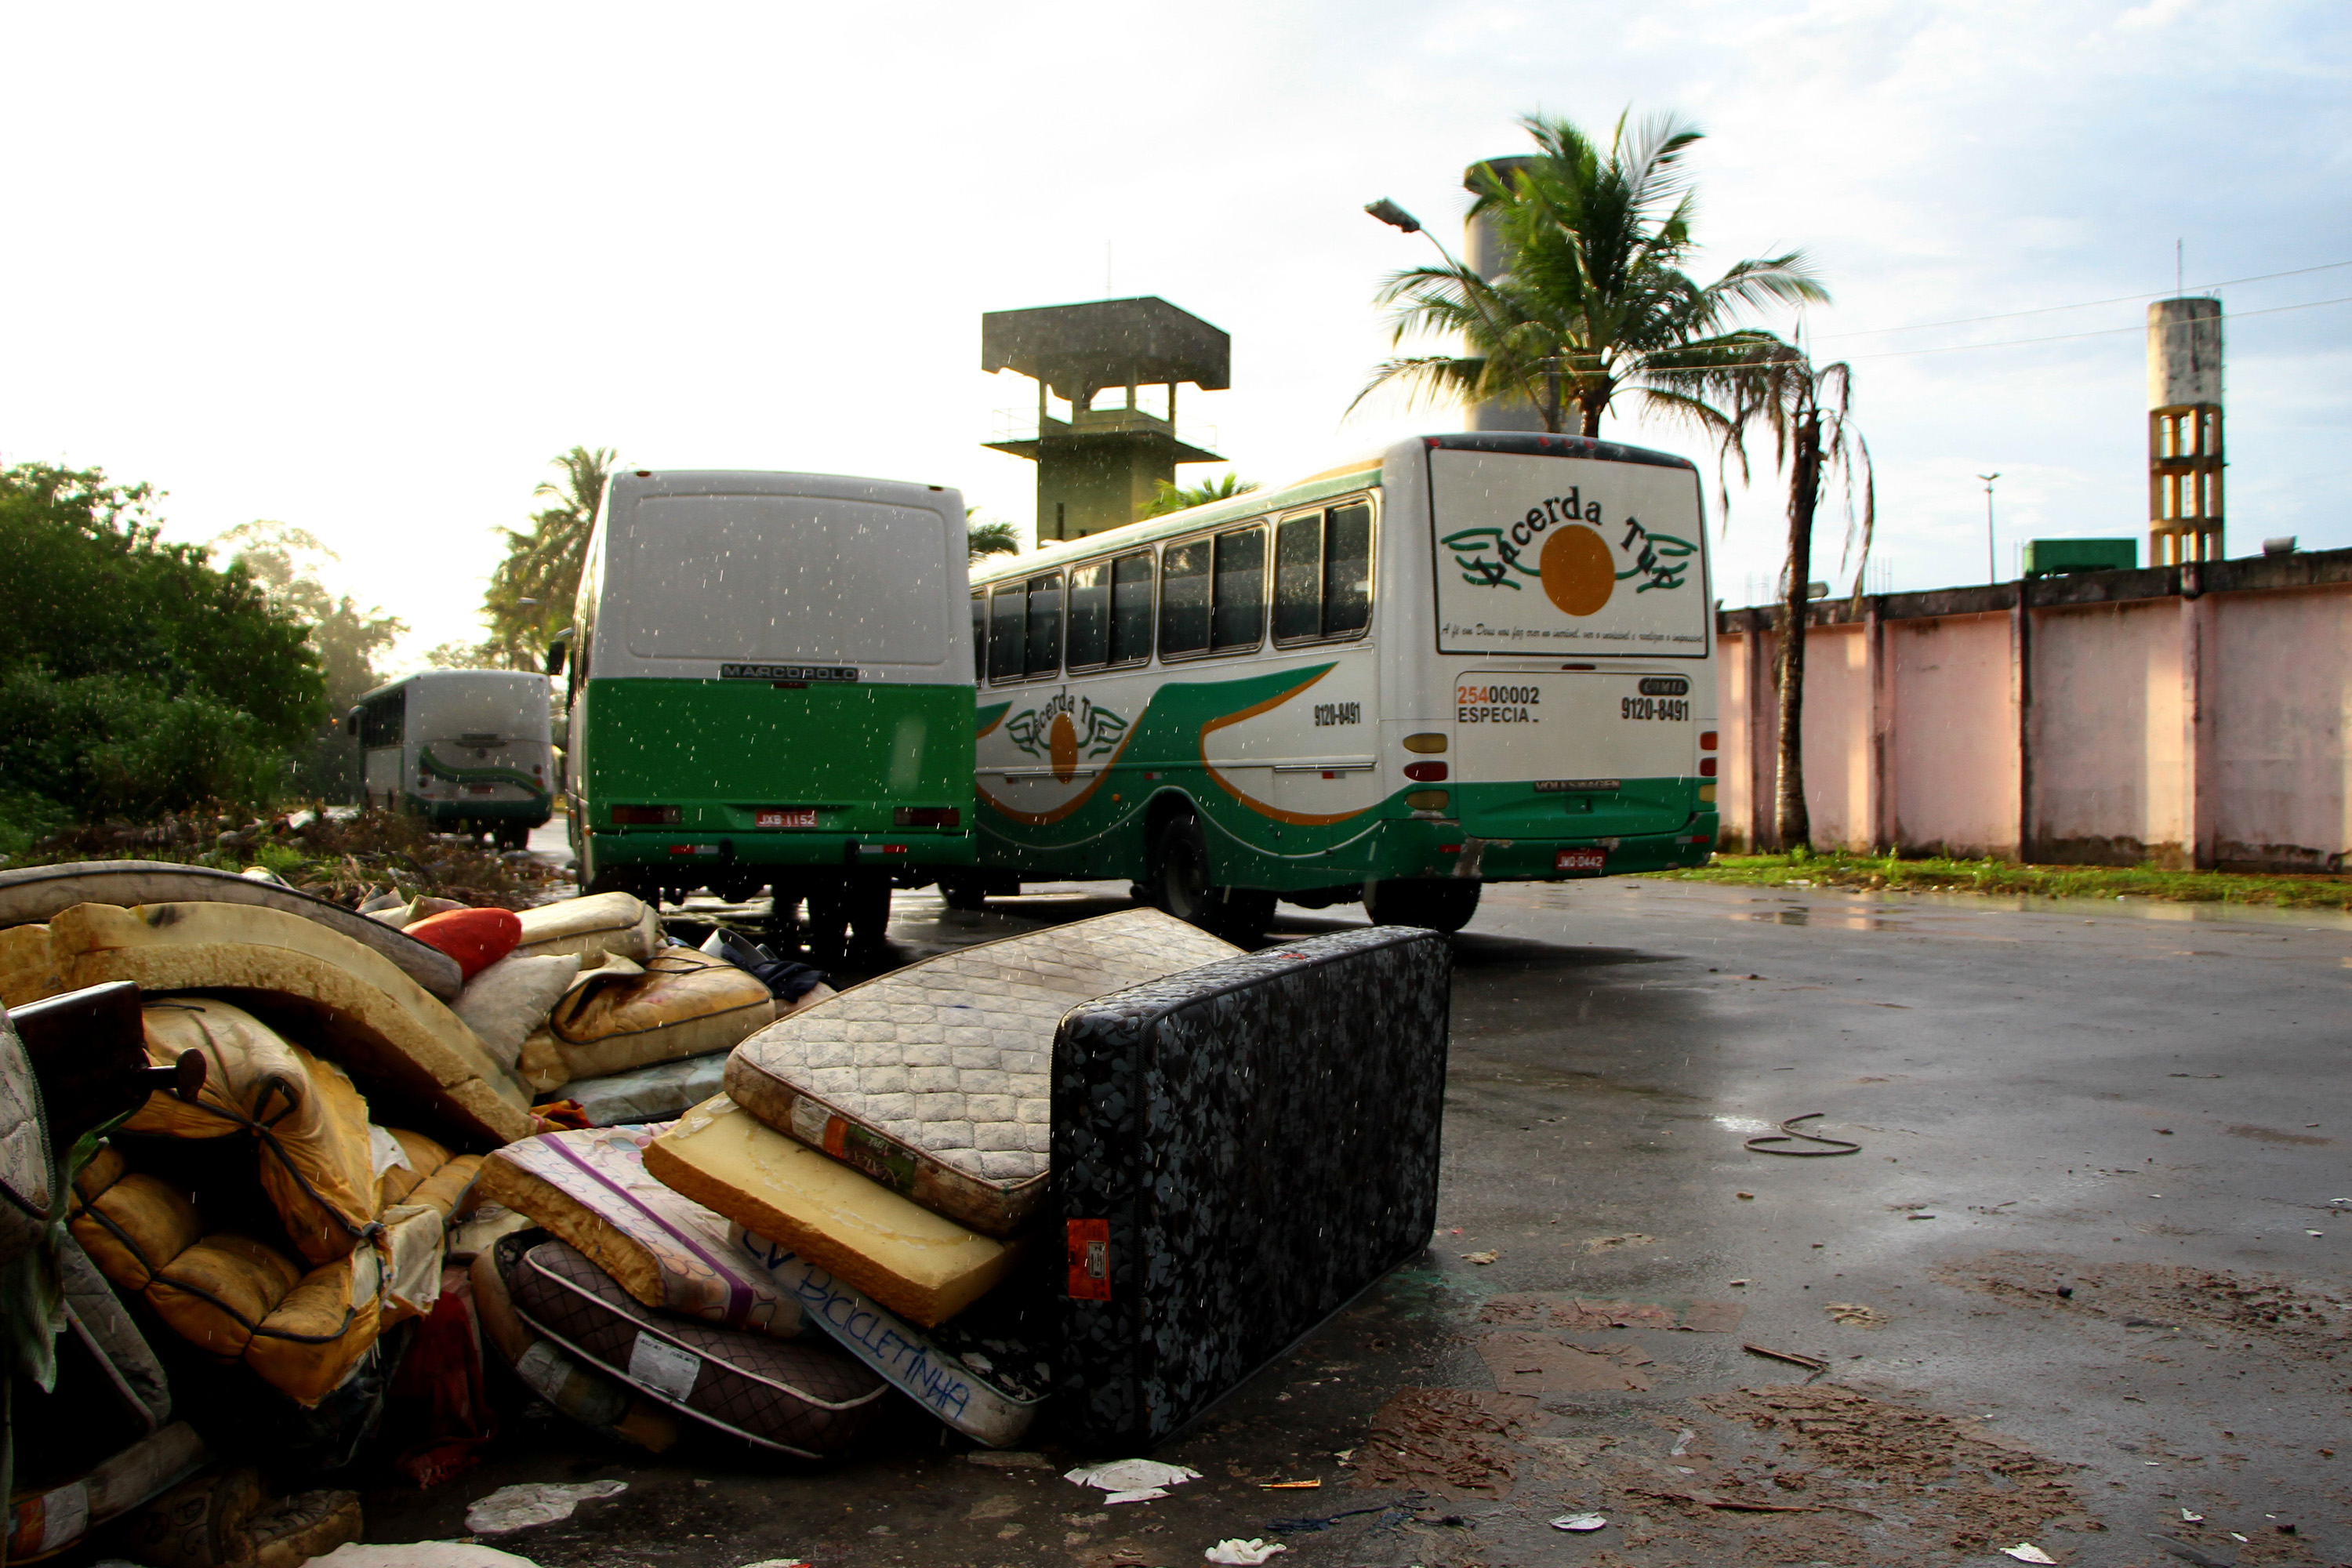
(119, 746)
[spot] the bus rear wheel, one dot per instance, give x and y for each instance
(1432, 903)
(1180, 884)
(963, 892)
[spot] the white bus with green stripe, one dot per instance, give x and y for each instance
(464, 749)
(1477, 657)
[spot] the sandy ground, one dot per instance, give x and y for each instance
(2067, 1291)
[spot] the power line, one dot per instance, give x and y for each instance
(2102, 333)
(2087, 304)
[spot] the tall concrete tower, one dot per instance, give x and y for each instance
(2184, 431)
(1100, 467)
(1482, 252)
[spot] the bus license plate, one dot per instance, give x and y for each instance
(786, 817)
(1580, 860)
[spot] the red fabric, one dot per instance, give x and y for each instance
(437, 1399)
(475, 938)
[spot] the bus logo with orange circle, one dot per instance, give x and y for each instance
(1574, 556)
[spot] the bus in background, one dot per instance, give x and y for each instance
(1473, 658)
(769, 685)
(467, 749)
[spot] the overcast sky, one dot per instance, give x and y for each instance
(366, 271)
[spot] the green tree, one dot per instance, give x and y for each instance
(531, 591)
(1593, 300)
(1173, 497)
(288, 564)
(1809, 411)
(135, 677)
(988, 538)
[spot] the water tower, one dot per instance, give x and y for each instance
(1482, 252)
(1101, 466)
(2184, 431)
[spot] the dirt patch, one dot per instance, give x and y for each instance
(1545, 1364)
(2275, 1135)
(2147, 1295)
(1971, 1487)
(1853, 1314)
(1573, 1314)
(1451, 1441)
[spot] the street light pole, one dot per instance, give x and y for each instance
(1395, 216)
(1992, 573)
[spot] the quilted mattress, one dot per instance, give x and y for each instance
(589, 1189)
(1238, 1151)
(932, 1079)
(801, 1398)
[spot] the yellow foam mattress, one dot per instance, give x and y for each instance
(359, 1008)
(911, 1261)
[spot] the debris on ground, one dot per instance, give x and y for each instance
(1580, 1522)
(1242, 1553)
(2293, 1317)
(1448, 1440)
(1853, 1314)
(514, 1508)
(1609, 1243)
(1794, 1358)
(1131, 1474)
(2026, 1552)
(1544, 1364)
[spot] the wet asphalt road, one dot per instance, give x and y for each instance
(2055, 1106)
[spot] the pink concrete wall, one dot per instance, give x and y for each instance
(1953, 742)
(2277, 692)
(2108, 746)
(2208, 730)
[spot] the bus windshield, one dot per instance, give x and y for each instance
(784, 577)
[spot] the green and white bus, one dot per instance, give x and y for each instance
(769, 687)
(1477, 657)
(467, 749)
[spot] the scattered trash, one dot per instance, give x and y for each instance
(422, 1555)
(1488, 1257)
(1245, 1554)
(1856, 1315)
(2026, 1552)
(1288, 1486)
(1761, 1143)
(2241, 1540)
(514, 1508)
(1918, 1217)
(1579, 1522)
(1683, 1443)
(1631, 1239)
(1142, 1494)
(2188, 1518)
(1738, 1282)
(1793, 1358)
(1131, 1474)
(1737, 1195)
(1009, 1460)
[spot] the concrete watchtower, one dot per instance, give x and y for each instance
(2184, 431)
(1100, 467)
(1482, 252)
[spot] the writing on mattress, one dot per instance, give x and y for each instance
(880, 1341)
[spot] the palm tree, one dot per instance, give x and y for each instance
(530, 593)
(1809, 410)
(988, 538)
(1173, 497)
(1593, 300)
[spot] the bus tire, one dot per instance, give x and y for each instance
(869, 911)
(512, 835)
(1432, 903)
(1180, 872)
(828, 923)
(963, 892)
(1247, 912)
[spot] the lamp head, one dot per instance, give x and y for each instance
(1395, 216)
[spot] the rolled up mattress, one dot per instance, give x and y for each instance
(33, 894)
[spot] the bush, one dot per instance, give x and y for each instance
(119, 746)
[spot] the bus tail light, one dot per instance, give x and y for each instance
(1425, 772)
(1428, 743)
(1706, 739)
(644, 816)
(927, 816)
(1706, 767)
(1427, 799)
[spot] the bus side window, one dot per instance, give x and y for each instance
(1240, 620)
(1045, 656)
(979, 636)
(1348, 570)
(1185, 599)
(1298, 578)
(1089, 615)
(1008, 611)
(1130, 609)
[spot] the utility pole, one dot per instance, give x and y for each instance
(1992, 571)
